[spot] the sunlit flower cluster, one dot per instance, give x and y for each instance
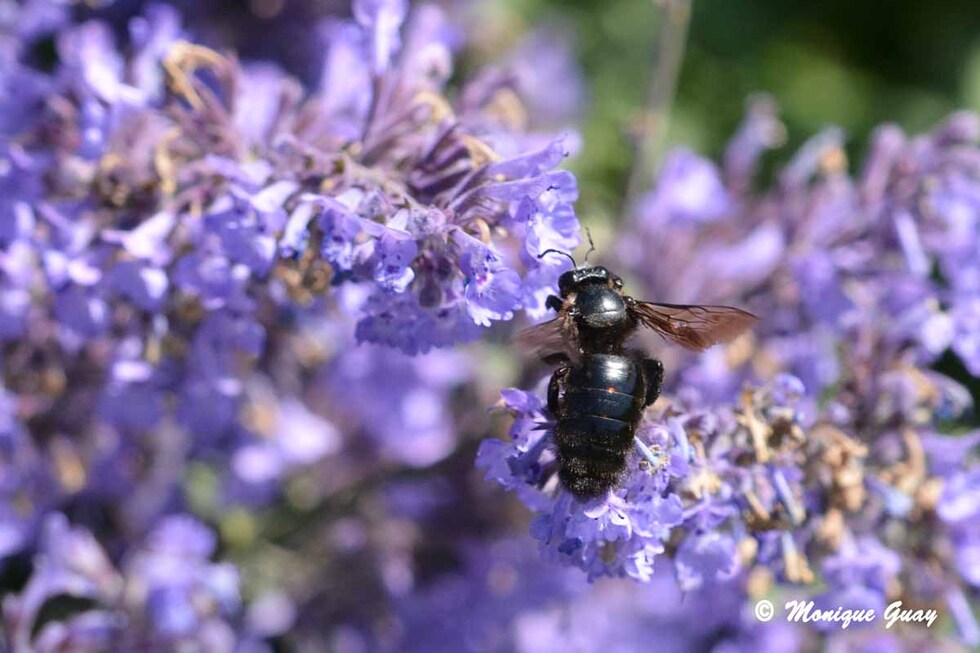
(840, 473)
(236, 413)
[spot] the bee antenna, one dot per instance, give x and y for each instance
(591, 246)
(560, 253)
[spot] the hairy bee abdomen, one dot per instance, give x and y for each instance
(598, 413)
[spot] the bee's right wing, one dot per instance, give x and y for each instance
(691, 326)
(555, 336)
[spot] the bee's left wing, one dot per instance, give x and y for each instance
(548, 338)
(693, 327)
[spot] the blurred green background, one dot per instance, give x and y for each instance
(853, 63)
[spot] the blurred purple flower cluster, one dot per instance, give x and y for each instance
(231, 420)
(167, 594)
(191, 249)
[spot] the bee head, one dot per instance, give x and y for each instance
(573, 280)
(599, 301)
(578, 278)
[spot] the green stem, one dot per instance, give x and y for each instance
(655, 120)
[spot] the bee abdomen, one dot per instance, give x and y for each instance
(599, 410)
(592, 452)
(588, 471)
(601, 402)
(595, 431)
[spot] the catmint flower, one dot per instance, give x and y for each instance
(860, 281)
(400, 403)
(672, 485)
(26, 482)
(858, 575)
(200, 260)
(167, 594)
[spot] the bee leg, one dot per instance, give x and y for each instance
(654, 372)
(553, 302)
(554, 388)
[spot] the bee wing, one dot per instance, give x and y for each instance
(548, 338)
(694, 327)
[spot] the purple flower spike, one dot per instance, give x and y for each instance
(670, 487)
(384, 19)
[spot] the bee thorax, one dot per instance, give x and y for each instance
(601, 307)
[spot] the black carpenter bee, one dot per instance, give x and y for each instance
(600, 388)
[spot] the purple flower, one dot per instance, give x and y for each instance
(176, 592)
(195, 453)
(383, 19)
(399, 403)
(958, 506)
(298, 437)
(704, 558)
(760, 131)
(133, 398)
(26, 488)
(966, 333)
(859, 576)
(547, 76)
(81, 313)
(167, 591)
(689, 189)
(665, 489)
(70, 562)
(245, 225)
(504, 599)
(861, 280)
(145, 286)
(492, 292)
